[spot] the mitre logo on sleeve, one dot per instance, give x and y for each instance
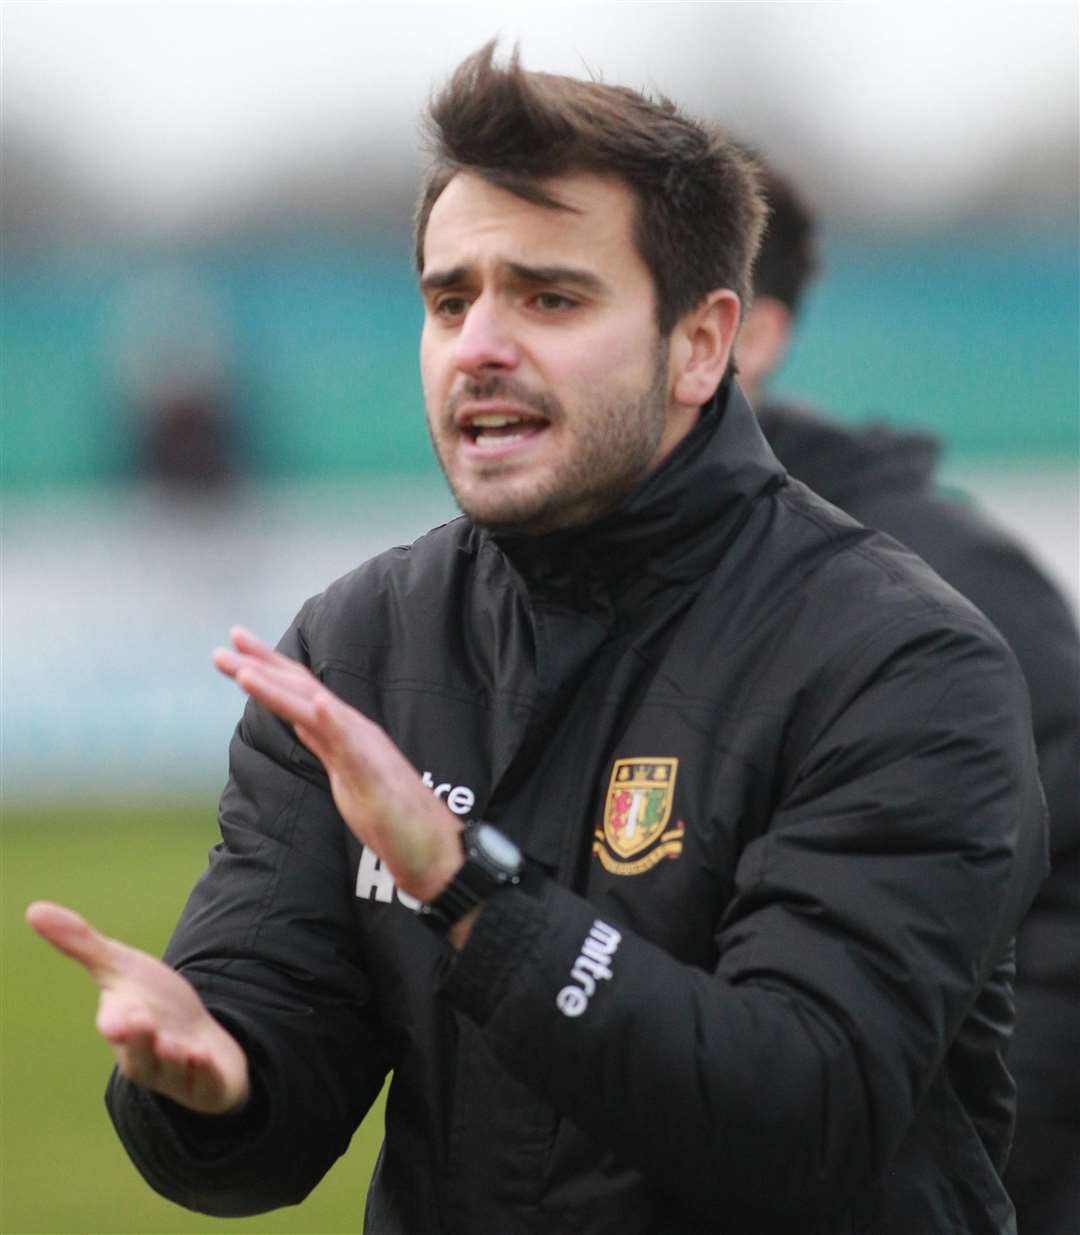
(635, 835)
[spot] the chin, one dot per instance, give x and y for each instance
(536, 518)
(501, 519)
(508, 513)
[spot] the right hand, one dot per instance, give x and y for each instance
(160, 1032)
(377, 791)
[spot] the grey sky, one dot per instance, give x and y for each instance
(904, 108)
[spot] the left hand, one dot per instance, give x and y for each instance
(378, 792)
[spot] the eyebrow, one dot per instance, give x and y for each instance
(443, 278)
(574, 275)
(536, 275)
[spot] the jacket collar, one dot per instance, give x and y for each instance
(673, 528)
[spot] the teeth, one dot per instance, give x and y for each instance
(494, 421)
(482, 440)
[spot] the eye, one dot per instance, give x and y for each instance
(553, 302)
(450, 307)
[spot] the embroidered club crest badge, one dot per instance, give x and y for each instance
(635, 836)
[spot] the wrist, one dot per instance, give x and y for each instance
(444, 867)
(487, 862)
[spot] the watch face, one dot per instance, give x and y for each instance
(498, 848)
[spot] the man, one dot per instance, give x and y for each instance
(885, 479)
(732, 949)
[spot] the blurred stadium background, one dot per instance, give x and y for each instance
(211, 406)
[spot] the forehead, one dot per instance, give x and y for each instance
(475, 223)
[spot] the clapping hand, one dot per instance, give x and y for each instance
(377, 791)
(160, 1032)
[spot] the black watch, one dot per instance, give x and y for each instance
(492, 861)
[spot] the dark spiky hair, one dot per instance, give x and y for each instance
(699, 212)
(788, 257)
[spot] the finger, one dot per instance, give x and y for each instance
(257, 655)
(285, 698)
(186, 1074)
(193, 1079)
(226, 661)
(122, 1020)
(179, 1065)
(175, 1077)
(229, 661)
(246, 645)
(137, 1059)
(71, 934)
(344, 737)
(251, 645)
(206, 1089)
(288, 673)
(170, 1049)
(338, 734)
(247, 641)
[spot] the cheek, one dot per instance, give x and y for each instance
(620, 355)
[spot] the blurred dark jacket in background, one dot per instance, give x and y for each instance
(885, 479)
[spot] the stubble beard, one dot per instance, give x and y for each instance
(615, 437)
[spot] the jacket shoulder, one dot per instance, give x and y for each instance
(868, 578)
(379, 593)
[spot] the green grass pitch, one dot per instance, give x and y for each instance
(62, 1170)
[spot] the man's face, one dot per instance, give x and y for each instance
(545, 379)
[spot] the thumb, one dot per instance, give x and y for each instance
(71, 934)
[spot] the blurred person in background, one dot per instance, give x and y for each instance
(753, 806)
(174, 372)
(885, 478)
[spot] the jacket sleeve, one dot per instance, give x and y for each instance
(1044, 1170)
(908, 840)
(999, 577)
(268, 940)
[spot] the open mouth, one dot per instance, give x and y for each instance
(494, 430)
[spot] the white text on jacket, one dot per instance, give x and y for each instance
(374, 882)
(590, 967)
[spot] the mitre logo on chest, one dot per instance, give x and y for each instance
(635, 834)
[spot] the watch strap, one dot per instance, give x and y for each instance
(474, 882)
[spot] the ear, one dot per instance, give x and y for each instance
(763, 342)
(701, 346)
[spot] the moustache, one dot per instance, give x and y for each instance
(501, 386)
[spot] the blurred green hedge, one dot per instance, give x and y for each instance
(973, 332)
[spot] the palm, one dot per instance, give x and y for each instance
(160, 1032)
(378, 794)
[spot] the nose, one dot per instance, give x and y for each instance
(485, 339)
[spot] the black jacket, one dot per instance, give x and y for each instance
(885, 479)
(780, 785)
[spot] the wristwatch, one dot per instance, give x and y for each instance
(492, 861)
